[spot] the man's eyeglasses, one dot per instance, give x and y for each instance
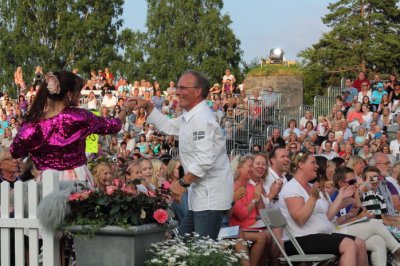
(184, 88)
(385, 163)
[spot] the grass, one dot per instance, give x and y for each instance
(279, 70)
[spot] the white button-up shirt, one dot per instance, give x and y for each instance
(203, 153)
(272, 176)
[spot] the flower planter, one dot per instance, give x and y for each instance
(114, 245)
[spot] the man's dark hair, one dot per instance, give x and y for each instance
(201, 82)
(272, 154)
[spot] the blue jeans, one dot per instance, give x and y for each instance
(181, 209)
(205, 223)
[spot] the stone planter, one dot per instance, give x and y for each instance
(114, 245)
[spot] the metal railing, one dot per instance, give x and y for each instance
(322, 105)
(235, 152)
(241, 132)
(270, 130)
(261, 140)
(304, 108)
(334, 91)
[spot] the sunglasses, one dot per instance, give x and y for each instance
(351, 182)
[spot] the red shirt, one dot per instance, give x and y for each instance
(357, 83)
(240, 215)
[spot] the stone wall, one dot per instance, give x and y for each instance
(291, 88)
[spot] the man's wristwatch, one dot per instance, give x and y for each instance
(183, 183)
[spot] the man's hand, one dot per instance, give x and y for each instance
(137, 103)
(275, 188)
(177, 191)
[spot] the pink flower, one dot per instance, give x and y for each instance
(79, 195)
(116, 182)
(161, 216)
(110, 189)
(129, 190)
(85, 194)
(74, 196)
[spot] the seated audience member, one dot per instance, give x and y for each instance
(173, 171)
(102, 176)
(246, 208)
(292, 128)
(375, 203)
(377, 238)
(309, 213)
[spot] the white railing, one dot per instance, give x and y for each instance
(24, 222)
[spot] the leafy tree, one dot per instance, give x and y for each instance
(132, 46)
(186, 35)
(363, 36)
(57, 35)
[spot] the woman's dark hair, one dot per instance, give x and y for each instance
(340, 174)
(309, 122)
(69, 82)
(290, 121)
(27, 168)
(322, 165)
(339, 161)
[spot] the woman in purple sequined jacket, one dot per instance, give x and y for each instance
(55, 129)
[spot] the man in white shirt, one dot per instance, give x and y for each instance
(328, 153)
(203, 155)
(279, 158)
(109, 100)
(395, 146)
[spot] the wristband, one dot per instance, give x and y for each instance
(183, 183)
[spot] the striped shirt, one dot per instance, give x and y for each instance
(374, 202)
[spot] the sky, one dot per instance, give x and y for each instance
(260, 25)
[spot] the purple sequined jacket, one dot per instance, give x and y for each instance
(59, 142)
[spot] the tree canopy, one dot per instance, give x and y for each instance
(364, 36)
(88, 34)
(57, 34)
(185, 35)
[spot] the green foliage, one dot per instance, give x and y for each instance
(85, 34)
(57, 35)
(184, 35)
(363, 36)
(120, 206)
(280, 70)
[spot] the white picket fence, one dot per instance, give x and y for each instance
(26, 224)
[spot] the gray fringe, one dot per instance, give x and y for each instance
(53, 209)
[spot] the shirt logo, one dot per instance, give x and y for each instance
(198, 135)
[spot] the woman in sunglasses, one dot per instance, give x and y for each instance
(377, 238)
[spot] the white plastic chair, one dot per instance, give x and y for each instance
(273, 217)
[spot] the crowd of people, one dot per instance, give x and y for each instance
(323, 173)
